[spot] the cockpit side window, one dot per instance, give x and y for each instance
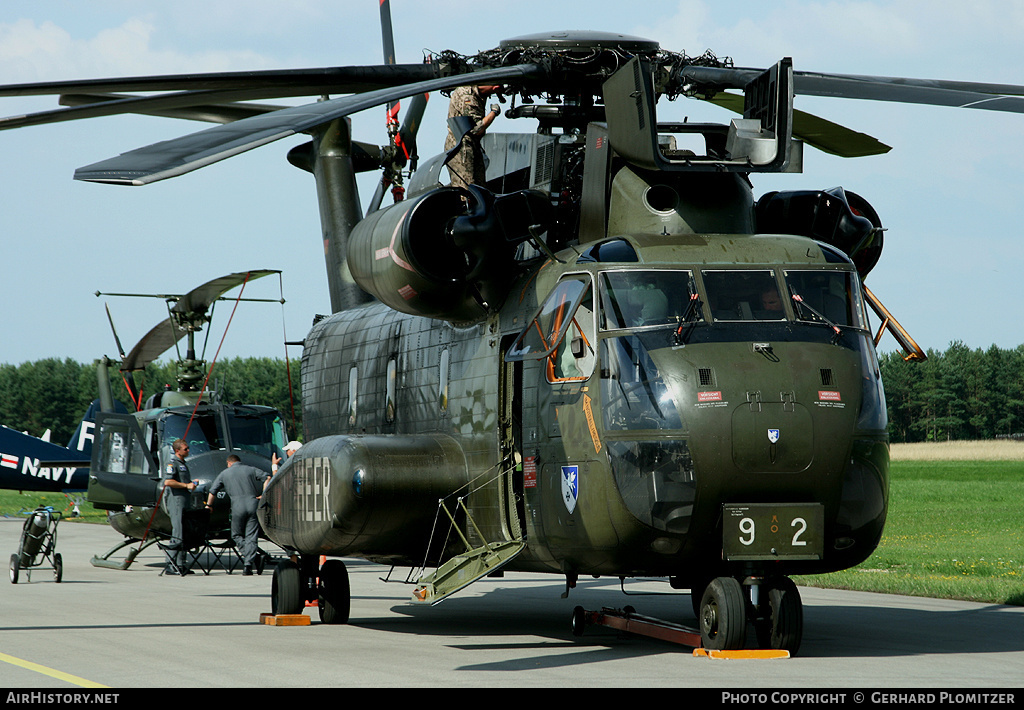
(637, 299)
(743, 295)
(562, 332)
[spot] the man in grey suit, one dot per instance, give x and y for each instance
(244, 486)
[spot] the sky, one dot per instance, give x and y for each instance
(948, 193)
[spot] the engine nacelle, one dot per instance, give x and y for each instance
(838, 217)
(375, 496)
(431, 256)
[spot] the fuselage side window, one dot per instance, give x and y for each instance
(390, 390)
(353, 388)
(443, 381)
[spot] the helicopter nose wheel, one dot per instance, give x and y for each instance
(723, 617)
(781, 625)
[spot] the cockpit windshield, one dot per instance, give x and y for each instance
(743, 295)
(832, 297)
(258, 431)
(203, 434)
(637, 299)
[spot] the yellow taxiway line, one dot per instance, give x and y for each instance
(59, 675)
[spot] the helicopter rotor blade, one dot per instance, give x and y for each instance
(182, 155)
(117, 340)
(818, 132)
(268, 84)
(934, 92)
(210, 112)
(410, 126)
(189, 308)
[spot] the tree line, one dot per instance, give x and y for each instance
(956, 394)
(959, 394)
(54, 394)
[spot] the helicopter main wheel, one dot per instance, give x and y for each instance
(335, 597)
(286, 589)
(15, 565)
(783, 628)
(723, 615)
(58, 568)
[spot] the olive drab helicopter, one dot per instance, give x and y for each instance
(610, 359)
(132, 448)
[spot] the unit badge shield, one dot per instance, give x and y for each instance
(570, 486)
(773, 435)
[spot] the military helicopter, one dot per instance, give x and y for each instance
(131, 448)
(610, 359)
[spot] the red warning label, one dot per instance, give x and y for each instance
(709, 396)
(828, 396)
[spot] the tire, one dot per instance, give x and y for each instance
(58, 568)
(784, 628)
(723, 615)
(15, 565)
(286, 589)
(335, 599)
(579, 621)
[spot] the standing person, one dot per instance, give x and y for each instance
(177, 498)
(244, 485)
(466, 167)
(289, 449)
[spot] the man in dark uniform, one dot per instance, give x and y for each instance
(177, 498)
(244, 485)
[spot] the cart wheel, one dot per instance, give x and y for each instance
(14, 569)
(58, 568)
(579, 621)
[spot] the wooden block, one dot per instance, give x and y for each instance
(744, 654)
(284, 619)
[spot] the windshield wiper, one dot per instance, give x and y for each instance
(693, 309)
(801, 304)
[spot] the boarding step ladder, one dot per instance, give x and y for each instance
(462, 570)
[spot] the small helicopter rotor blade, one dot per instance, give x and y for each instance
(199, 299)
(821, 133)
(935, 92)
(117, 340)
(188, 308)
(153, 344)
(182, 155)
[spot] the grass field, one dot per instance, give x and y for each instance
(955, 528)
(16, 504)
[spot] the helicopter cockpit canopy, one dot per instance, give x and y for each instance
(235, 427)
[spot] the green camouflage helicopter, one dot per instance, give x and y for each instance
(132, 448)
(609, 359)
